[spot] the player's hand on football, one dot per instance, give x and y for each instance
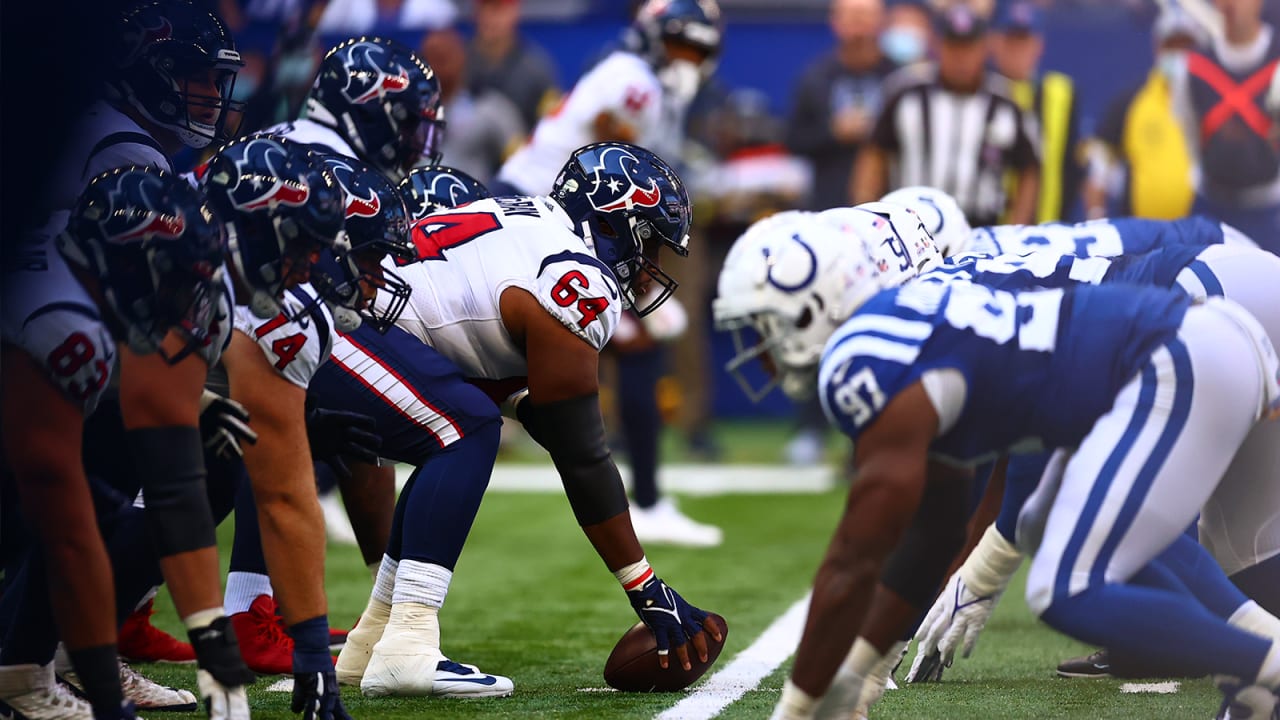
(221, 675)
(224, 425)
(338, 434)
(674, 622)
(953, 623)
(315, 695)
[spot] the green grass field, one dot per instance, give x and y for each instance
(531, 600)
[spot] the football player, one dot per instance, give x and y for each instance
(930, 378)
(134, 278)
(522, 293)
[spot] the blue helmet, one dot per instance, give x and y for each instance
(628, 204)
(377, 225)
(431, 189)
(694, 23)
(155, 249)
(383, 100)
(280, 206)
(162, 49)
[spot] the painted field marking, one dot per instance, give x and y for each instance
(683, 479)
(1160, 688)
(742, 675)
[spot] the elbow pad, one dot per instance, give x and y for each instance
(170, 462)
(572, 431)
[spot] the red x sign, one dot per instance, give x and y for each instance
(1237, 99)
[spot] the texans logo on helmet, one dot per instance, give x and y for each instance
(356, 206)
(365, 79)
(144, 219)
(163, 31)
(447, 186)
(614, 185)
(263, 180)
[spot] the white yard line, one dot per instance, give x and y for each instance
(744, 673)
(682, 479)
(1160, 688)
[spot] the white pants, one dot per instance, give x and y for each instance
(1141, 475)
(1240, 523)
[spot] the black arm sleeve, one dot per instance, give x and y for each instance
(918, 566)
(572, 431)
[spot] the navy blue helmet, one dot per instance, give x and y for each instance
(377, 225)
(176, 64)
(431, 189)
(693, 23)
(155, 249)
(628, 204)
(281, 207)
(383, 100)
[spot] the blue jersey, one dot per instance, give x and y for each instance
(1039, 367)
(1096, 238)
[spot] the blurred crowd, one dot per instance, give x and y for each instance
(892, 101)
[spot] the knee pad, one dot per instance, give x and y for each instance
(170, 461)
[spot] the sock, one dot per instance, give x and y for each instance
(242, 589)
(1252, 618)
(638, 375)
(1135, 622)
(384, 582)
(202, 618)
(99, 671)
(445, 497)
(151, 595)
(311, 645)
(246, 546)
(423, 583)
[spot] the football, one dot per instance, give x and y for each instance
(633, 664)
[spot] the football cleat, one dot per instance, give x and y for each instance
(664, 524)
(407, 662)
(140, 641)
(355, 654)
(32, 692)
(143, 692)
(266, 648)
(1097, 665)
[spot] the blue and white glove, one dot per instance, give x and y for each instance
(672, 620)
(315, 683)
(961, 612)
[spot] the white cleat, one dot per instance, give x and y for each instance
(336, 523)
(144, 693)
(664, 524)
(32, 692)
(457, 680)
(407, 662)
(1252, 702)
(355, 654)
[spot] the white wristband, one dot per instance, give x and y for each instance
(992, 563)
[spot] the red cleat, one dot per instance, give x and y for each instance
(266, 648)
(140, 641)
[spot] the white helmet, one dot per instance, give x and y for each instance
(791, 283)
(942, 216)
(906, 251)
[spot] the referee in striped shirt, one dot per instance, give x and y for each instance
(954, 126)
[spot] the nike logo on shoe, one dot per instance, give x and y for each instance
(458, 670)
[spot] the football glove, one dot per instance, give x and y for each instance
(224, 425)
(338, 434)
(670, 617)
(221, 675)
(315, 695)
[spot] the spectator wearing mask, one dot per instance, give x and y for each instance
(501, 59)
(954, 126)
(907, 33)
(1219, 98)
(1016, 49)
(483, 129)
(1139, 145)
(838, 99)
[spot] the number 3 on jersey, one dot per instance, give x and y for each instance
(568, 289)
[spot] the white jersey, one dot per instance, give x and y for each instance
(50, 316)
(624, 85)
(470, 255)
(295, 349)
(310, 132)
(104, 139)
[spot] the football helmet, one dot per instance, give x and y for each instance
(627, 204)
(377, 225)
(280, 207)
(383, 100)
(787, 284)
(155, 249)
(696, 23)
(162, 50)
(431, 189)
(942, 216)
(904, 252)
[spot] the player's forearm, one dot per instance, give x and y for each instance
(1022, 211)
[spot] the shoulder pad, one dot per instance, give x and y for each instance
(295, 348)
(579, 291)
(74, 347)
